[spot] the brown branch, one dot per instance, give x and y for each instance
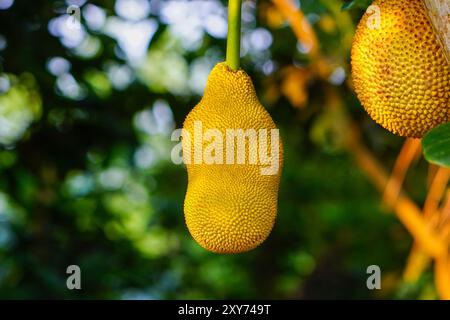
(442, 276)
(406, 210)
(438, 12)
(299, 24)
(417, 262)
(410, 151)
(446, 209)
(436, 192)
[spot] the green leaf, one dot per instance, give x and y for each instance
(436, 145)
(363, 4)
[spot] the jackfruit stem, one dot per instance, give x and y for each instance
(234, 34)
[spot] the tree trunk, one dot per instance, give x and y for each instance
(439, 14)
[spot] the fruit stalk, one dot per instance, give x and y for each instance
(234, 34)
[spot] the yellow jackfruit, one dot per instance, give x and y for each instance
(230, 207)
(399, 70)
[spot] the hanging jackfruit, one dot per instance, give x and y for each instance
(230, 204)
(399, 70)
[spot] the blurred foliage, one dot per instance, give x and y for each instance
(85, 170)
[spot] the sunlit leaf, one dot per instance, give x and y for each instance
(20, 106)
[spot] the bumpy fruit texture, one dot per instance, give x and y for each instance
(229, 208)
(399, 70)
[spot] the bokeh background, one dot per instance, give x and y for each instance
(86, 178)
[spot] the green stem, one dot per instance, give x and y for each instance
(234, 34)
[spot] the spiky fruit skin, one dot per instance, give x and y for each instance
(229, 208)
(399, 70)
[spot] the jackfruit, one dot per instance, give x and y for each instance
(399, 70)
(230, 207)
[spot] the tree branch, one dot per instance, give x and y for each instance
(438, 12)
